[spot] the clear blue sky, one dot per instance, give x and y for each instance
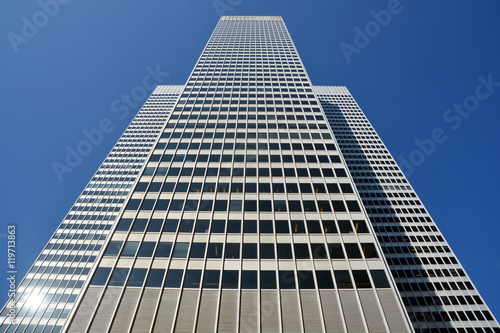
(69, 70)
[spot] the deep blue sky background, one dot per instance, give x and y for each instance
(65, 77)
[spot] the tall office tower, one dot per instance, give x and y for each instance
(434, 287)
(227, 206)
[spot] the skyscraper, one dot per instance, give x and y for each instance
(248, 200)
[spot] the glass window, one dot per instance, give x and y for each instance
(130, 249)
(287, 279)
(155, 225)
(218, 226)
(319, 251)
(100, 276)
(174, 278)
(163, 250)
(282, 227)
(186, 225)
(248, 279)
(298, 227)
(124, 225)
(197, 250)
(214, 250)
(232, 251)
(267, 279)
(170, 225)
(279, 205)
(345, 227)
(284, 251)
(146, 249)
(234, 226)
(379, 279)
(369, 250)
(361, 279)
(352, 251)
(324, 279)
(202, 226)
(266, 226)
(192, 279)
(118, 277)
(136, 278)
(360, 226)
(343, 279)
(249, 226)
(249, 251)
(313, 227)
(230, 279)
(306, 279)
(113, 248)
(180, 250)
(336, 251)
(301, 251)
(266, 251)
(155, 277)
(211, 279)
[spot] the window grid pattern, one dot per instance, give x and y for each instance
(50, 289)
(244, 196)
(437, 293)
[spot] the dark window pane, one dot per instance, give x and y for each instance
(298, 227)
(249, 226)
(292, 188)
(345, 226)
(146, 249)
(192, 279)
(155, 277)
(136, 278)
(133, 204)
(218, 226)
(186, 225)
(329, 226)
(353, 206)
(324, 206)
(284, 251)
(313, 227)
(305, 188)
(214, 250)
(352, 251)
(223, 187)
(197, 250)
(232, 251)
(266, 251)
(162, 204)
(168, 187)
(361, 279)
(174, 278)
(295, 205)
(380, 279)
(282, 227)
(319, 188)
(301, 251)
(266, 226)
(306, 279)
(118, 277)
(309, 205)
(279, 205)
(177, 205)
(130, 249)
(369, 250)
(124, 225)
(113, 248)
(250, 205)
(360, 226)
(230, 279)
(170, 225)
(211, 279)
(154, 225)
(319, 251)
(264, 188)
(248, 279)
(324, 279)
(267, 279)
(209, 187)
(180, 250)
(195, 187)
(251, 188)
(234, 226)
(100, 276)
(338, 206)
(287, 279)
(265, 206)
(346, 188)
(206, 205)
(249, 251)
(343, 279)
(163, 250)
(235, 206)
(202, 226)
(333, 188)
(336, 251)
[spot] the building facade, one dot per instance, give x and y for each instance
(248, 200)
